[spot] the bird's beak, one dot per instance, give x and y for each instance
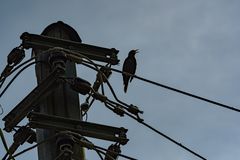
(136, 50)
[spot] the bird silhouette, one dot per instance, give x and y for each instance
(129, 66)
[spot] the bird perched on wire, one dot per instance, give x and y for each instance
(129, 66)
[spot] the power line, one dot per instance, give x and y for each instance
(17, 74)
(172, 140)
(96, 68)
(160, 133)
(3, 79)
(84, 142)
(125, 106)
(17, 67)
(99, 151)
(122, 155)
(176, 90)
(145, 124)
(2, 82)
(1, 108)
(34, 146)
(4, 142)
(99, 154)
(98, 148)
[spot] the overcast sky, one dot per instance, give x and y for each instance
(192, 45)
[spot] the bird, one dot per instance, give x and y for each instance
(129, 66)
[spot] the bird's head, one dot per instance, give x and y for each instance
(133, 52)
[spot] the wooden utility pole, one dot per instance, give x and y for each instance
(63, 101)
(53, 106)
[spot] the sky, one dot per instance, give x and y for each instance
(192, 45)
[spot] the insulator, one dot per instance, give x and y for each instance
(119, 110)
(15, 56)
(58, 59)
(65, 141)
(65, 144)
(85, 106)
(33, 136)
(100, 97)
(24, 134)
(112, 152)
(134, 109)
(81, 86)
(7, 70)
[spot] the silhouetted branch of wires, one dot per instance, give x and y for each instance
(122, 104)
(175, 90)
(1, 108)
(82, 141)
(16, 68)
(2, 82)
(110, 103)
(30, 148)
(17, 74)
(141, 121)
(155, 130)
(121, 155)
(4, 143)
(99, 154)
(3, 79)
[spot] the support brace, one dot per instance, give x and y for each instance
(38, 120)
(31, 100)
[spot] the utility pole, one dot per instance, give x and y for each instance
(53, 107)
(63, 101)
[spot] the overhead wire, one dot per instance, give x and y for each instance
(98, 148)
(99, 151)
(145, 124)
(78, 56)
(2, 111)
(119, 154)
(176, 90)
(157, 131)
(84, 142)
(3, 79)
(34, 146)
(2, 82)
(102, 89)
(110, 87)
(17, 67)
(17, 74)
(153, 129)
(99, 154)
(4, 142)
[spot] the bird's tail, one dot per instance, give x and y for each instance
(125, 88)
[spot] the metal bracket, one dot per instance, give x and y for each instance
(31, 100)
(38, 120)
(93, 52)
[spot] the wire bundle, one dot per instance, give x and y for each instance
(119, 107)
